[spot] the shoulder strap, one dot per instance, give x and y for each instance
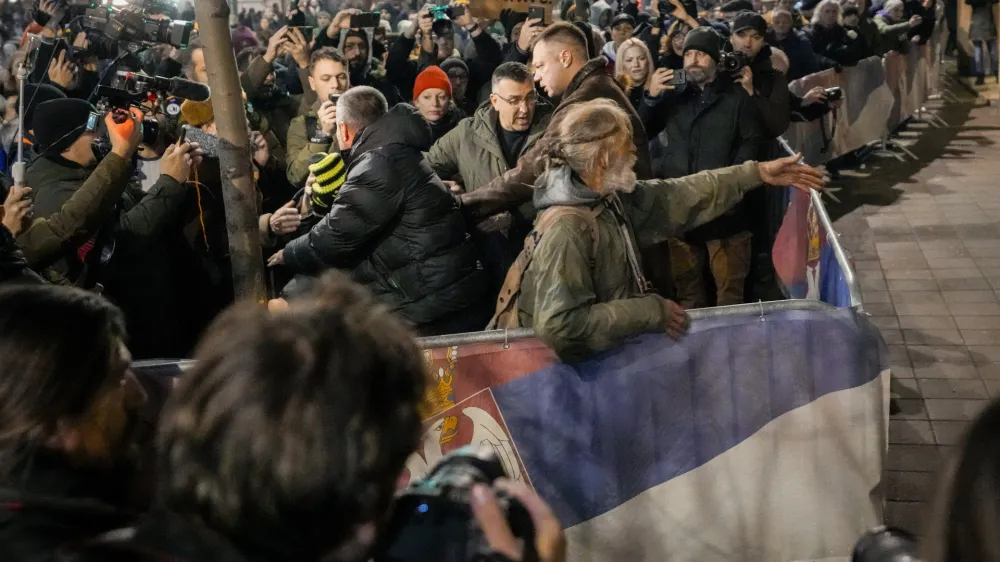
(506, 315)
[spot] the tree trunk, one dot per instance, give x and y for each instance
(239, 193)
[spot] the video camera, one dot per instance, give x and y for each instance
(432, 520)
(154, 95)
(113, 31)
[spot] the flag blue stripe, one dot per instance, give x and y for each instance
(596, 434)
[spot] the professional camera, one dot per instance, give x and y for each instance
(154, 95)
(112, 30)
(732, 61)
(432, 520)
(442, 17)
(885, 544)
(833, 94)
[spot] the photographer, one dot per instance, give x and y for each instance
(356, 46)
(125, 254)
(711, 122)
(313, 132)
(68, 407)
(259, 81)
(767, 87)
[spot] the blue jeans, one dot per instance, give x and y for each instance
(977, 54)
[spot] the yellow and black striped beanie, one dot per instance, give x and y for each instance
(330, 173)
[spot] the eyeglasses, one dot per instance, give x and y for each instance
(528, 100)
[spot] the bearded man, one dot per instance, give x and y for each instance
(579, 281)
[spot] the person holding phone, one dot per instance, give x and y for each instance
(313, 132)
(351, 31)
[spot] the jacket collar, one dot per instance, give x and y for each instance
(593, 67)
(485, 125)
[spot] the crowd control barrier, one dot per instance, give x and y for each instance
(879, 94)
(760, 436)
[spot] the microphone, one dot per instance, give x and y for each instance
(177, 87)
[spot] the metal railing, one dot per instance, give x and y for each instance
(760, 309)
(850, 278)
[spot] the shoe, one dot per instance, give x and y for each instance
(980, 80)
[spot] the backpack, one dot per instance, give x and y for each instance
(506, 315)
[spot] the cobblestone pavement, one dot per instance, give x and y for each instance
(926, 239)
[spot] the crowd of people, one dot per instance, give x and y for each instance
(591, 174)
(408, 153)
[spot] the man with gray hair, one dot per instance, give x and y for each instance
(393, 225)
(579, 281)
(485, 146)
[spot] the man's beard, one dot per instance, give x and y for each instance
(697, 75)
(620, 178)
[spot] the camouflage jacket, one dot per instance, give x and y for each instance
(580, 304)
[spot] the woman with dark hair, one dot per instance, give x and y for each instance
(67, 400)
(672, 54)
(967, 515)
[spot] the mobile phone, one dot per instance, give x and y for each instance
(679, 79)
(209, 144)
(537, 12)
(334, 97)
(306, 31)
(183, 135)
(365, 19)
(457, 11)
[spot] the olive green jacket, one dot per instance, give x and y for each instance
(73, 203)
(471, 151)
(580, 304)
(302, 144)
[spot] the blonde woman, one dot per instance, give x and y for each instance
(634, 69)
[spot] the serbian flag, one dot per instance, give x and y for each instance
(755, 438)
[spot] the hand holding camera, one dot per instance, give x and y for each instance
(179, 159)
(62, 70)
(550, 543)
(125, 131)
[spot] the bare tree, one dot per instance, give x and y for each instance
(239, 192)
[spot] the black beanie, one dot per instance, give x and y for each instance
(749, 20)
(736, 6)
(704, 39)
(35, 95)
(58, 123)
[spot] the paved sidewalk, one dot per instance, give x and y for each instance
(926, 239)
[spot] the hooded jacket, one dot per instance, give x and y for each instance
(396, 229)
(580, 302)
(512, 189)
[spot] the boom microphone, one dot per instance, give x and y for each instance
(177, 87)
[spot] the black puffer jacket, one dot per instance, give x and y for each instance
(397, 229)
